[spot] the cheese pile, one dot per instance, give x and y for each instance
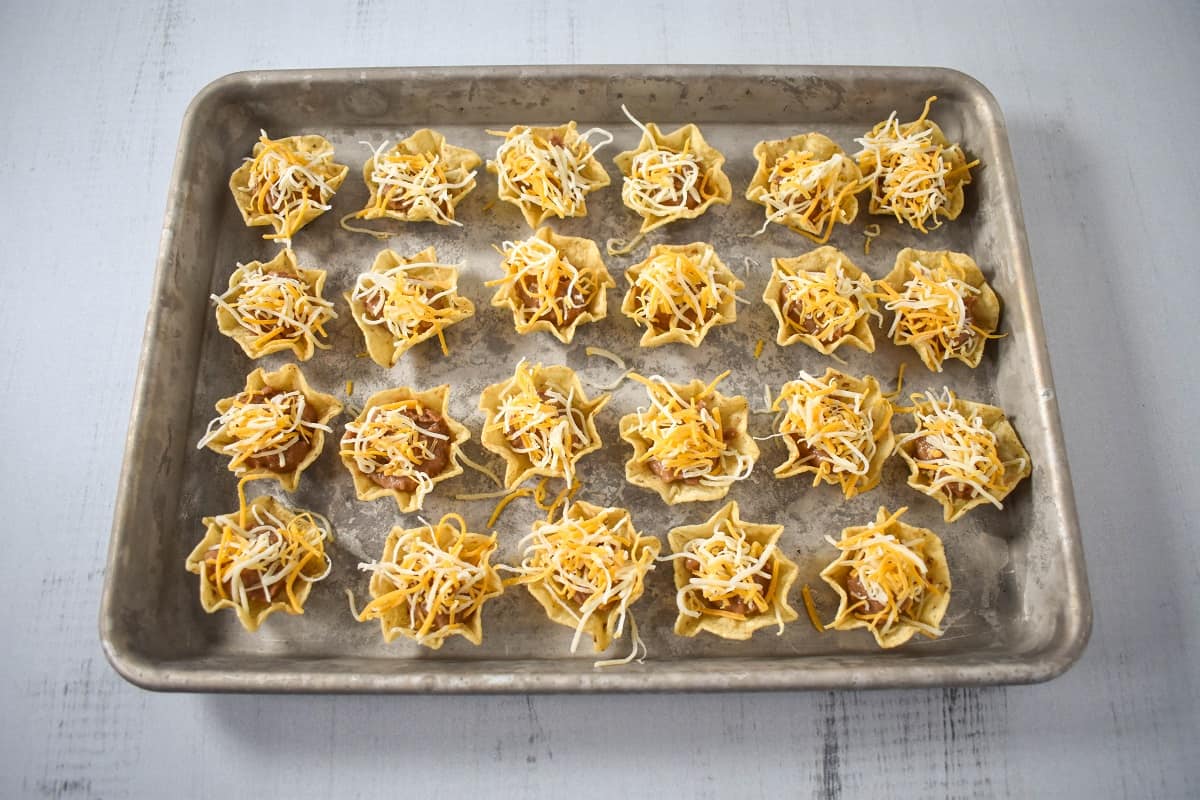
(542, 423)
(389, 441)
(593, 557)
(908, 172)
(266, 427)
(683, 289)
(892, 572)
(805, 192)
(688, 436)
(545, 275)
(283, 183)
(276, 307)
(832, 421)
(430, 572)
(661, 181)
(412, 304)
(409, 182)
(726, 565)
(547, 173)
(833, 301)
(964, 450)
(932, 309)
(266, 552)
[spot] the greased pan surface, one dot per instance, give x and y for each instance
(1020, 610)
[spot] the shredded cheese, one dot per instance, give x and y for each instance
(543, 285)
(870, 233)
(262, 425)
(687, 437)
(911, 176)
(410, 300)
(544, 423)
(675, 291)
(389, 442)
(436, 576)
(958, 454)
(811, 608)
(589, 565)
(600, 352)
(404, 184)
(833, 428)
(892, 574)
(729, 575)
(548, 172)
(284, 183)
(933, 312)
(274, 306)
(806, 193)
(664, 182)
(826, 304)
(503, 504)
(261, 559)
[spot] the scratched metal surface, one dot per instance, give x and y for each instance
(1019, 610)
(1110, 235)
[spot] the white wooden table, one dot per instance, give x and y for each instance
(1103, 105)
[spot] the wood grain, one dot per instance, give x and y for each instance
(1102, 102)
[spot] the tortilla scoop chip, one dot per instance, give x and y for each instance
(714, 183)
(383, 346)
(932, 607)
(437, 400)
(783, 575)
(287, 378)
(258, 608)
(823, 260)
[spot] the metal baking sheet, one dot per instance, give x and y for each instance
(1020, 610)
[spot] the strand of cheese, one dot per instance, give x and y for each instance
(426, 578)
(273, 306)
(674, 283)
(661, 181)
(906, 170)
(549, 270)
(807, 192)
(423, 180)
(892, 572)
(264, 428)
(727, 564)
(281, 181)
(590, 556)
(969, 452)
(834, 301)
(389, 442)
(833, 421)
(276, 553)
(408, 300)
(932, 309)
(545, 174)
(687, 436)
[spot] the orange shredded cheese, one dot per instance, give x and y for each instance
(548, 173)
(674, 291)
(826, 302)
(728, 575)
(387, 440)
(410, 300)
(277, 307)
(543, 284)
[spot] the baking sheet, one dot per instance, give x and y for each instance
(1020, 610)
